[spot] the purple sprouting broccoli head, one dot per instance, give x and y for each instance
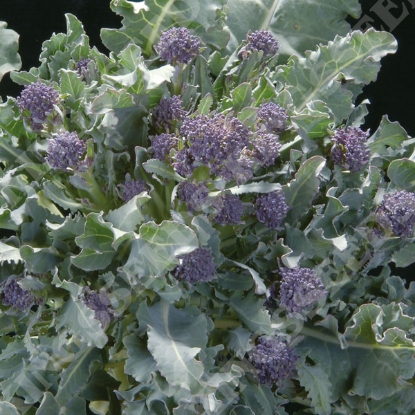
(214, 142)
(65, 151)
(266, 148)
(168, 113)
(178, 45)
(230, 209)
(260, 40)
(193, 194)
(99, 303)
(273, 117)
(197, 266)
(396, 213)
(350, 150)
(16, 296)
(81, 68)
(300, 288)
(271, 209)
(39, 100)
(274, 360)
(132, 188)
(162, 144)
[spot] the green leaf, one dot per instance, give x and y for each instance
(161, 169)
(110, 99)
(238, 340)
(72, 85)
(251, 312)
(175, 337)
(9, 45)
(299, 193)
(317, 383)
(143, 23)
(9, 253)
(140, 363)
(377, 360)
(260, 287)
(389, 136)
(48, 406)
(296, 31)
(128, 216)
(57, 195)
(313, 122)
(80, 320)
(96, 243)
(205, 104)
(402, 173)
(154, 252)
(318, 75)
(7, 408)
(241, 96)
(11, 121)
(76, 375)
(405, 256)
(40, 260)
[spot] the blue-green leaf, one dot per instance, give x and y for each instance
(9, 45)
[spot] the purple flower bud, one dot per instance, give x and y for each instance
(99, 303)
(162, 144)
(39, 99)
(260, 40)
(81, 67)
(16, 296)
(350, 150)
(167, 113)
(65, 151)
(193, 194)
(300, 289)
(273, 360)
(266, 148)
(273, 116)
(132, 188)
(397, 213)
(230, 209)
(197, 266)
(214, 142)
(271, 209)
(177, 45)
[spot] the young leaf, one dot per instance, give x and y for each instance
(299, 193)
(175, 337)
(9, 45)
(76, 375)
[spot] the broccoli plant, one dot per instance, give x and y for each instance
(197, 223)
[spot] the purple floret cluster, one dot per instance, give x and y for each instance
(214, 142)
(197, 266)
(39, 99)
(178, 45)
(132, 188)
(193, 194)
(350, 150)
(273, 117)
(162, 144)
(81, 67)
(230, 209)
(99, 303)
(274, 360)
(397, 213)
(16, 296)
(260, 40)
(300, 288)
(65, 151)
(266, 148)
(271, 209)
(167, 113)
